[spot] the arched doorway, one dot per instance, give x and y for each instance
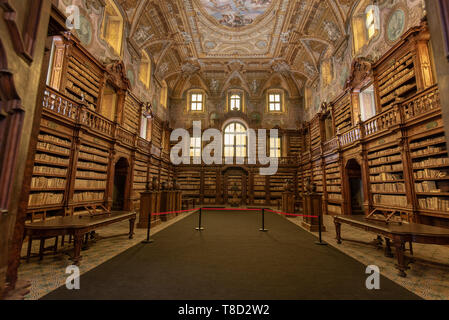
(235, 186)
(354, 182)
(121, 187)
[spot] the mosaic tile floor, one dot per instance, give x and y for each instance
(49, 274)
(426, 278)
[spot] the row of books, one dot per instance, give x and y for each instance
(46, 198)
(88, 196)
(388, 167)
(91, 175)
(47, 158)
(431, 173)
(41, 182)
(93, 157)
(52, 147)
(428, 151)
(94, 184)
(333, 181)
(333, 189)
(385, 176)
(50, 138)
(85, 148)
(434, 203)
(334, 196)
(334, 209)
(382, 160)
(383, 153)
(91, 165)
(435, 141)
(388, 187)
(390, 200)
(49, 170)
(430, 163)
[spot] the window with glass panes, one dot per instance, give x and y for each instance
(236, 102)
(196, 102)
(275, 147)
(235, 140)
(195, 147)
(275, 101)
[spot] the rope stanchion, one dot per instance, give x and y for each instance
(320, 242)
(200, 227)
(263, 222)
(148, 240)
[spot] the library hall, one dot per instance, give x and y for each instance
(195, 151)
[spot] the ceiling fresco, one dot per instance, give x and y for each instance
(236, 13)
(213, 42)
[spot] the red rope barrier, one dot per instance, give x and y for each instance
(165, 213)
(231, 209)
(292, 214)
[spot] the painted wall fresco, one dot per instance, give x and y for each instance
(91, 19)
(396, 17)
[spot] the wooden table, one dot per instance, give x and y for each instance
(400, 234)
(77, 227)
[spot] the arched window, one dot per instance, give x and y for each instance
(372, 21)
(145, 70)
(365, 25)
(112, 27)
(235, 100)
(164, 94)
(235, 140)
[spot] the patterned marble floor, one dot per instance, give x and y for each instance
(49, 274)
(427, 278)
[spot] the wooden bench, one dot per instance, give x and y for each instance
(399, 234)
(75, 226)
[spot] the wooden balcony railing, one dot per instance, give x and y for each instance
(55, 102)
(424, 102)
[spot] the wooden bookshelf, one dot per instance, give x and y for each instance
(342, 113)
(386, 175)
(131, 121)
(50, 172)
(398, 81)
(91, 174)
(334, 188)
(430, 166)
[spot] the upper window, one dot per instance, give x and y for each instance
(236, 102)
(274, 101)
(372, 21)
(112, 27)
(145, 70)
(195, 147)
(367, 104)
(196, 101)
(235, 140)
(275, 147)
(164, 94)
(365, 25)
(143, 127)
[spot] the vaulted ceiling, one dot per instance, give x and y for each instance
(214, 43)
